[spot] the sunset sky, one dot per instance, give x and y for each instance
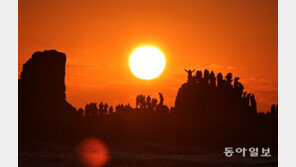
(98, 36)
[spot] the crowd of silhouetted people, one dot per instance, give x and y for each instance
(215, 91)
(92, 111)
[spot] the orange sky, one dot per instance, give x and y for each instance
(238, 36)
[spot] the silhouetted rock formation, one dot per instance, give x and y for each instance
(202, 100)
(42, 105)
(222, 110)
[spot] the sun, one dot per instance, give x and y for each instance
(147, 62)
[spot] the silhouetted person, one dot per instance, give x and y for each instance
(220, 81)
(111, 110)
(137, 101)
(206, 77)
(244, 96)
(101, 109)
(161, 99)
(198, 76)
(212, 79)
(154, 103)
(229, 80)
(118, 110)
(148, 100)
(190, 77)
(105, 110)
(238, 86)
(144, 103)
(236, 83)
(247, 100)
(149, 105)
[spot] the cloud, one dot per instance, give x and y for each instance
(230, 68)
(82, 65)
(261, 81)
(215, 66)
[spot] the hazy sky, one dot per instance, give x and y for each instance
(238, 36)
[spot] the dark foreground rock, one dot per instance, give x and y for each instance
(42, 104)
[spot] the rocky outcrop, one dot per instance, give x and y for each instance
(42, 104)
(215, 108)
